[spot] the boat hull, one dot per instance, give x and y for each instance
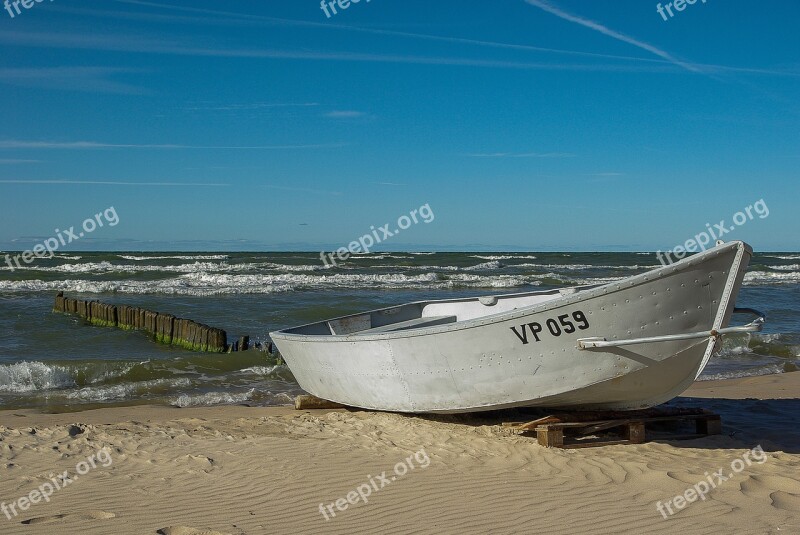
(530, 356)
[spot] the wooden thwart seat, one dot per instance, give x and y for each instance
(429, 321)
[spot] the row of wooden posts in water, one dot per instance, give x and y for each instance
(165, 328)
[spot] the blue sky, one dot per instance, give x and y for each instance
(556, 125)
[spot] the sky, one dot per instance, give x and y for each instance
(522, 124)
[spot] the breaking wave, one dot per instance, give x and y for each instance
(205, 283)
(125, 391)
(787, 257)
(504, 257)
(176, 257)
(229, 398)
(34, 376)
(736, 374)
(753, 278)
(494, 264)
(213, 398)
(790, 267)
(196, 267)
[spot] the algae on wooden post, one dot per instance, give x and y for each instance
(164, 328)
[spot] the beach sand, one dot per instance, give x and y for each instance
(254, 470)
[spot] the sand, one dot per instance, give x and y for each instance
(250, 470)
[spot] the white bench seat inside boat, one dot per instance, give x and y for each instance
(410, 324)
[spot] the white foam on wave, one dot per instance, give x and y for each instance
(790, 267)
(767, 337)
(418, 268)
(292, 281)
(176, 257)
(734, 351)
(34, 376)
(125, 391)
(501, 281)
(771, 369)
(579, 267)
(261, 370)
(505, 257)
(212, 398)
(569, 267)
(378, 256)
(582, 281)
(788, 257)
(290, 267)
(494, 264)
(204, 283)
(765, 277)
(108, 267)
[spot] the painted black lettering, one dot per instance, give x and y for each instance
(535, 329)
(524, 336)
(580, 317)
(569, 328)
(553, 327)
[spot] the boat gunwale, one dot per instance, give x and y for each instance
(558, 302)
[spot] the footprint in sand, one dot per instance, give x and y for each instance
(206, 464)
(781, 490)
(183, 530)
(91, 515)
(202, 459)
(785, 500)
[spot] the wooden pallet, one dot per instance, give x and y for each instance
(307, 401)
(588, 429)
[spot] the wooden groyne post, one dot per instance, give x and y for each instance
(164, 328)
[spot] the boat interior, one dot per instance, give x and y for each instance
(428, 313)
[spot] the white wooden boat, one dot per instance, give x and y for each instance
(630, 344)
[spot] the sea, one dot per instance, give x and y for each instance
(56, 362)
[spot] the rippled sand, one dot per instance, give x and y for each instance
(242, 470)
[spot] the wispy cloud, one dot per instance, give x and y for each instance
(112, 183)
(15, 161)
(250, 106)
(596, 26)
(88, 79)
(390, 184)
(604, 178)
(228, 17)
(136, 44)
(83, 145)
(522, 155)
(344, 114)
(303, 190)
(147, 46)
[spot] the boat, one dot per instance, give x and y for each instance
(629, 344)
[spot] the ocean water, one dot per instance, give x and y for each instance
(57, 362)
